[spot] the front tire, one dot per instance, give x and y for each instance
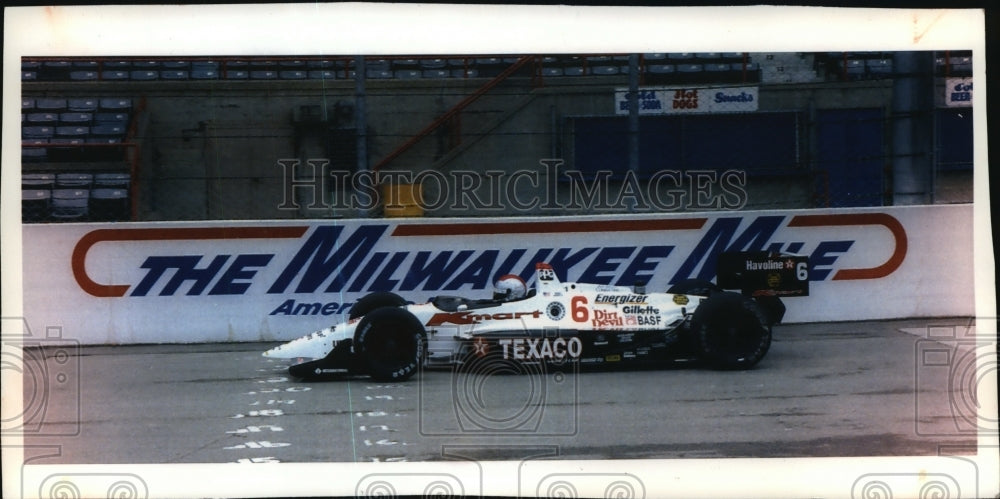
(390, 344)
(374, 301)
(731, 331)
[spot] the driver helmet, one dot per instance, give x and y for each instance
(510, 287)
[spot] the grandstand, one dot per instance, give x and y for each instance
(155, 138)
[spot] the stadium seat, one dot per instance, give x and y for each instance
(116, 104)
(291, 64)
(263, 75)
(67, 141)
(174, 74)
(38, 180)
(75, 118)
(552, 71)
(50, 105)
(961, 64)
(114, 75)
(660, 68)
(654, 56)
(35, 204)
(88, 65)
(27, 104)
(41, 119)
(322, 74)
(379, 74)
(855, 69)
(205, 66)
(680, 56)
(144, 75)
(81, 105)
(707, 56)
(72, 131)
(879, 67)
(107, 129)
(30, 65)
(407, 74)
(29, 75)
(320, 64)
(461, 73)
(107, 204)
(436, 73)
(114, 118)
(716, 67)
(83, 76)
(117, 65)
(604, 70)
(116, 180)
(176, 65)
(263, 65)
(399, 64)
(237, 74)
(292, 75)
(146, 65)
(74, 180)
(576, 71)
(70, 204)
(204, 74)
(37, 132)
(433, 63)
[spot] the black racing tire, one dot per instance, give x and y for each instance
(373, 301)
(731, 331)
(390, 344)
(697, 287)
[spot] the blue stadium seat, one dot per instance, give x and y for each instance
(291, 64)
(111, 118)
(433, 63)
(50, 105)
(146, 65)
(436, 73)
(67, 141)
(117, 65)
(398, 64)
(88, 65)
(680, 56)
(173, 74)
(119, 180)
(37, 132)
(961, 64)
(115, 104)
(654, 56)
(292, 75)
(31, 65)
(204, 74)
(72, 131)
(660, 68)
(707, 56)
(176, 65)
(144, 75)
(320, 64)
(576, 71)
(407, 74)
(70, 204)
(104, 140)
(76, 118)
(461, 73)
(322, 74)
(598, 58)
(855, 68)
(107, 129)
(38, 180)
(716, 67)
(29, 75)
(81, 105)
(83, 76)
(74, 180)
(114, 75)
(552, 71)
(237, 74)
(689, 68)
(263, 65)
(378, 74)
(41, 119)
(263, 75)
(879, 67)
(489, 61)
(604, 70)
(27, 104)
(205, 66)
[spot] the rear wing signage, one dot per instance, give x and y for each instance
(760, 273)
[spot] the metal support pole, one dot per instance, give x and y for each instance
(633, 118)
(361, 121)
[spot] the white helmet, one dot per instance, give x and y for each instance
(510, 287)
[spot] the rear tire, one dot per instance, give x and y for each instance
(374, 301)
(731, 331)
(390, 344)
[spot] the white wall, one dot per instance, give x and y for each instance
(873, 263)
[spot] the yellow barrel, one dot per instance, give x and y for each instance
(401, 200)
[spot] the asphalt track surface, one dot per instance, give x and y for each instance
(884, 388)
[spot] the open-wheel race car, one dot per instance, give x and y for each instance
(390, 339)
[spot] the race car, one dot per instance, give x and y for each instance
(390, 339)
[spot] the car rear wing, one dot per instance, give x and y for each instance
(761, 273)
